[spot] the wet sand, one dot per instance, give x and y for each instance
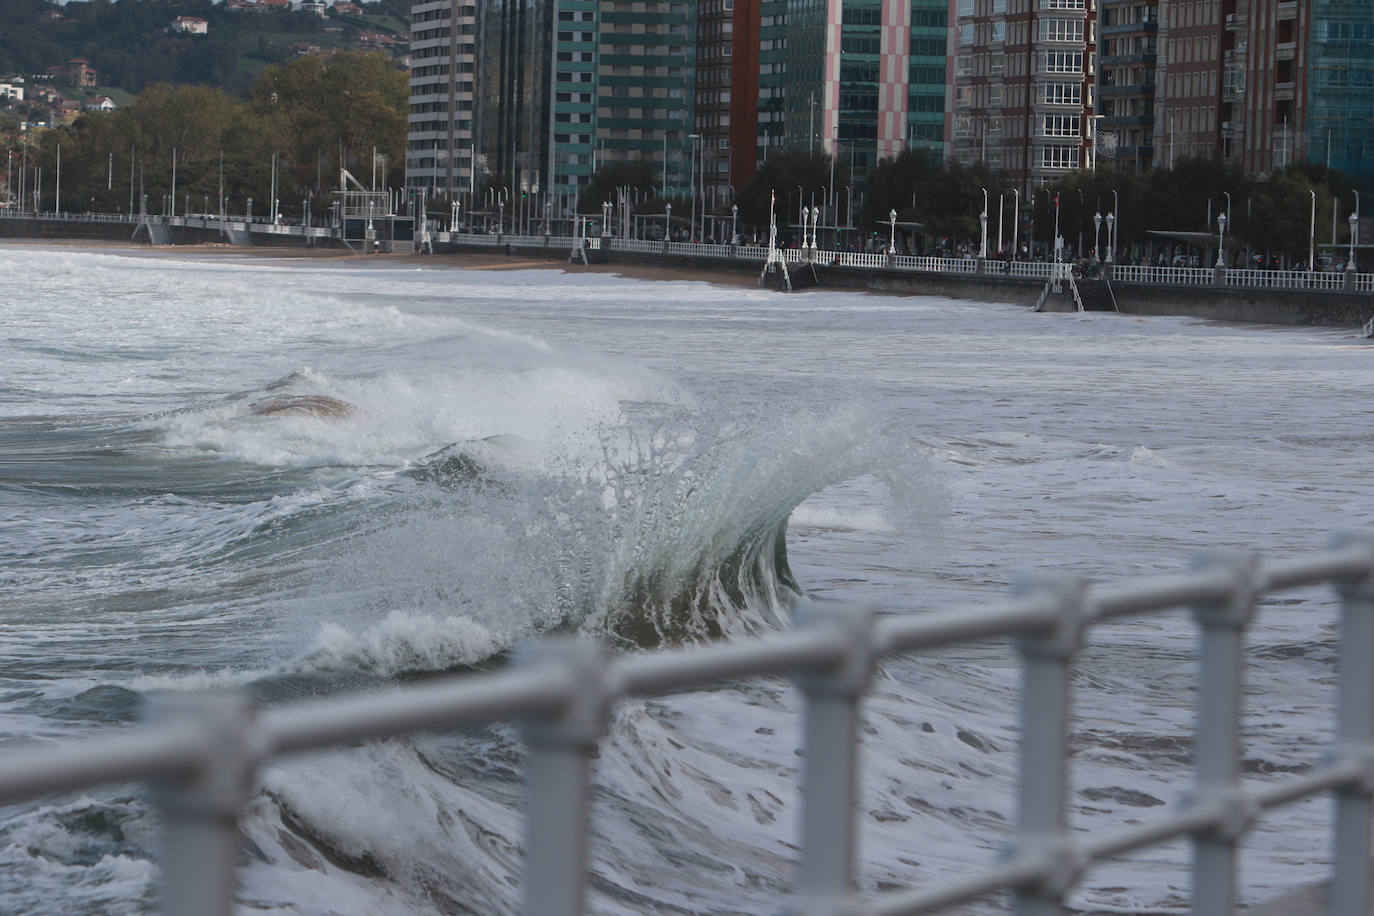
(495, 260)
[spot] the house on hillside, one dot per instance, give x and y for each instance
(51, 16)
(190, 25)
(12, 90)
(77, 71)
(344, 7)
(314, 6)
(274, 4)
(101, 103)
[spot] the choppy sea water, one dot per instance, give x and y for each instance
(304, 478)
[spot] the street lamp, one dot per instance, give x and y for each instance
(1312, 234)
(1354, 225)
(1057, 242)
(605, 217)
(892, 231)
(667, 224)
(1015, 221)
(693, 183)
(1097, 234)
(734, 221)
(501, 217)
(1111, 226)
(1111, 235)
(1221, 240)
(983, 219)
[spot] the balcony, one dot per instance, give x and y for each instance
(1286, 50)
(1236, 21)
(1288, 9)
(1285, 92)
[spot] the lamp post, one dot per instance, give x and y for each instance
(892, 231)
(1097, 234)
(983, 222)
(605, 217)
(1001, 211)
(692, 183)
(501, 217)
(667, 224)
(1221, 240)
(1354, 224)
(1015, 220)
(1312, 234)
(1112, 223)
(815, 221)
(1055, 242)
(734, 221)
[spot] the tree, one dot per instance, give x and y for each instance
(604, 181)
(796, 177)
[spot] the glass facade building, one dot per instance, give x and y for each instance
(1340, 126)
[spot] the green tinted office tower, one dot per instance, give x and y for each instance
(645, 87)
(772, 76)
(1340, 110)
(926, 75)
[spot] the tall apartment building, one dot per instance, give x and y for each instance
(646, 86)
(1126, 71)
(928, 68)
(772, 77)
(715, 47)
(1024, 83)
(1269, 47)
(1200, 81)
(1340, 68)
(439, 147)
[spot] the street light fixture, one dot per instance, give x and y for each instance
(1097, 234)
(1015, 221)
(1221, 241)
(815, 221)
(983, 220)
(892, 232)
(1354, 227)
(692, 182)
(1111, 235)
(667, 224)
(734, 221)
(1312, 234)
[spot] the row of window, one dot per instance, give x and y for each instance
(443, 12)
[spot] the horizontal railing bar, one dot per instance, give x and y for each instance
(928, 631)
(1190, 819)
(786, 653)
(1015, 872)
(1340, 563)
(468, 701)
(160, 753)
(1160, 593)
(1321, 780)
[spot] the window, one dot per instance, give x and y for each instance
(1059, 126)
(1061, 93)
(1061, 61)
(999, 30)
(1061, 30)
(1059, 157)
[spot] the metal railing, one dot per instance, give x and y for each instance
(1285, 279)
(202, 751)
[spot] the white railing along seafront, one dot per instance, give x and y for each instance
(1119, 273)
(201, 752)
(1324, 281)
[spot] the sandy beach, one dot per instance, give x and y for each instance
(495, 260)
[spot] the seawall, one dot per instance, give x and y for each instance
(1265, 306)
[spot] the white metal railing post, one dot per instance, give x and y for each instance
(558, 775)
(201, 845)
(829, 787)
(1350, 889)
(1217, 747)
(1043, 784)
